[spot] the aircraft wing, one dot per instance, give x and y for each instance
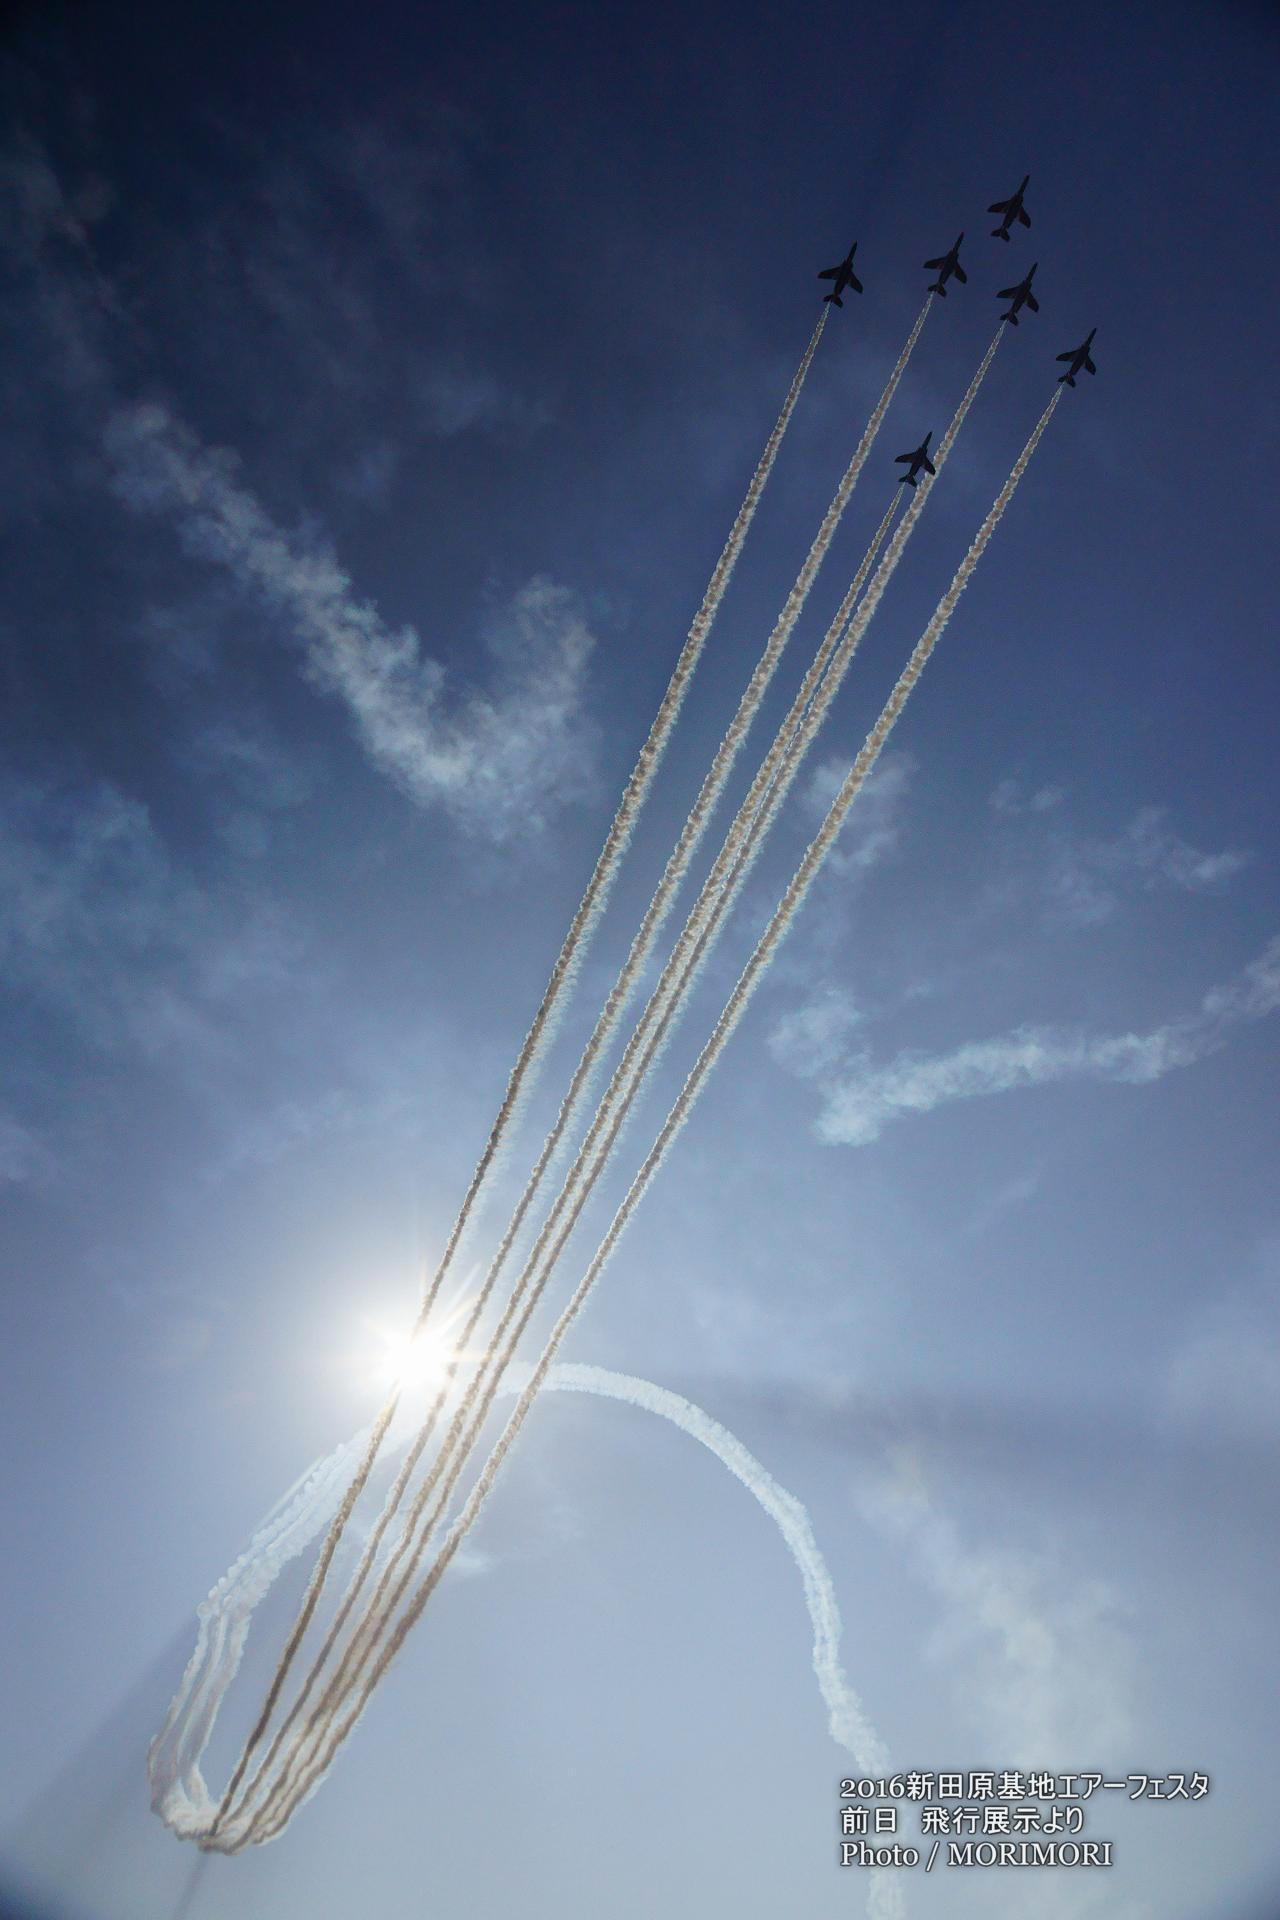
(1033, 303)
(960, 273)
(941, 261)
(999, 206)
(928, 465)
(855, 283)
(829, 273)
(1024, 216)
(1009, 293)
(1069, 355)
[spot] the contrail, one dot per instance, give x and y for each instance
(725, 1026)
(562, 977)
(779, 925)
(301, 1512)
(777, 772)
(370, 1629)
(846, 1717)
(620, 994)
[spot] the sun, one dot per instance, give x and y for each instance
(406, 1360)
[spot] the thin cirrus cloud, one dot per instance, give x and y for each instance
(1083, 879)
(860, 1100)
(500, 762)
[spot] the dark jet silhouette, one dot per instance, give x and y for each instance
(1012, 209)
(1080, 361)
(920, 458)
(843, 275)
(948, 263)
(1021, 296)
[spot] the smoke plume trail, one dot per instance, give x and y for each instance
(302, 1511)
(563, 975)
(619, 997)
(846, 1717)
(393, 1637)
(749, 809)
(779, 925)
(768, 791)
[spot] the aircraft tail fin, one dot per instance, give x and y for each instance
(827, 297)
(1068, 377)
(936, 286)
(999, 233)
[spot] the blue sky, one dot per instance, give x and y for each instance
(472, 330)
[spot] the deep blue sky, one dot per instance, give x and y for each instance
(974, 1237)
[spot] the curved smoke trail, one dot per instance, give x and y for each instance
(179, 1792)
(563, 975)
(327, 1732)
(614, 1008)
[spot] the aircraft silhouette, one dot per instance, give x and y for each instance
(1012, 209)
(949, 263)
(1021, 296)
(917, 459)
(1080, 361)
(843, 275)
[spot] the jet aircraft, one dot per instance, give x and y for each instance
(1080, 361)
(1012, 209)
(1021, 296)
(919, 458)
(949, 263)
(843, 275)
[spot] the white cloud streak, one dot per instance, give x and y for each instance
(501, 762)
(862, 1101)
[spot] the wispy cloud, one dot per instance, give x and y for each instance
(25, 1156)
(861, 1099)
(1044, 1660)
(1084, 880)
(98, 923)
(874, 828)
(501, 762)
(1224, 1378)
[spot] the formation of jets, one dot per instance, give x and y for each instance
(947, 267)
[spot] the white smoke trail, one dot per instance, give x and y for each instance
(334, 1729)
(732, 1014)
(179, 1792)
(563, 975)
(801, 707)
(768, 791)
(846, 1717)
(619, 997)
